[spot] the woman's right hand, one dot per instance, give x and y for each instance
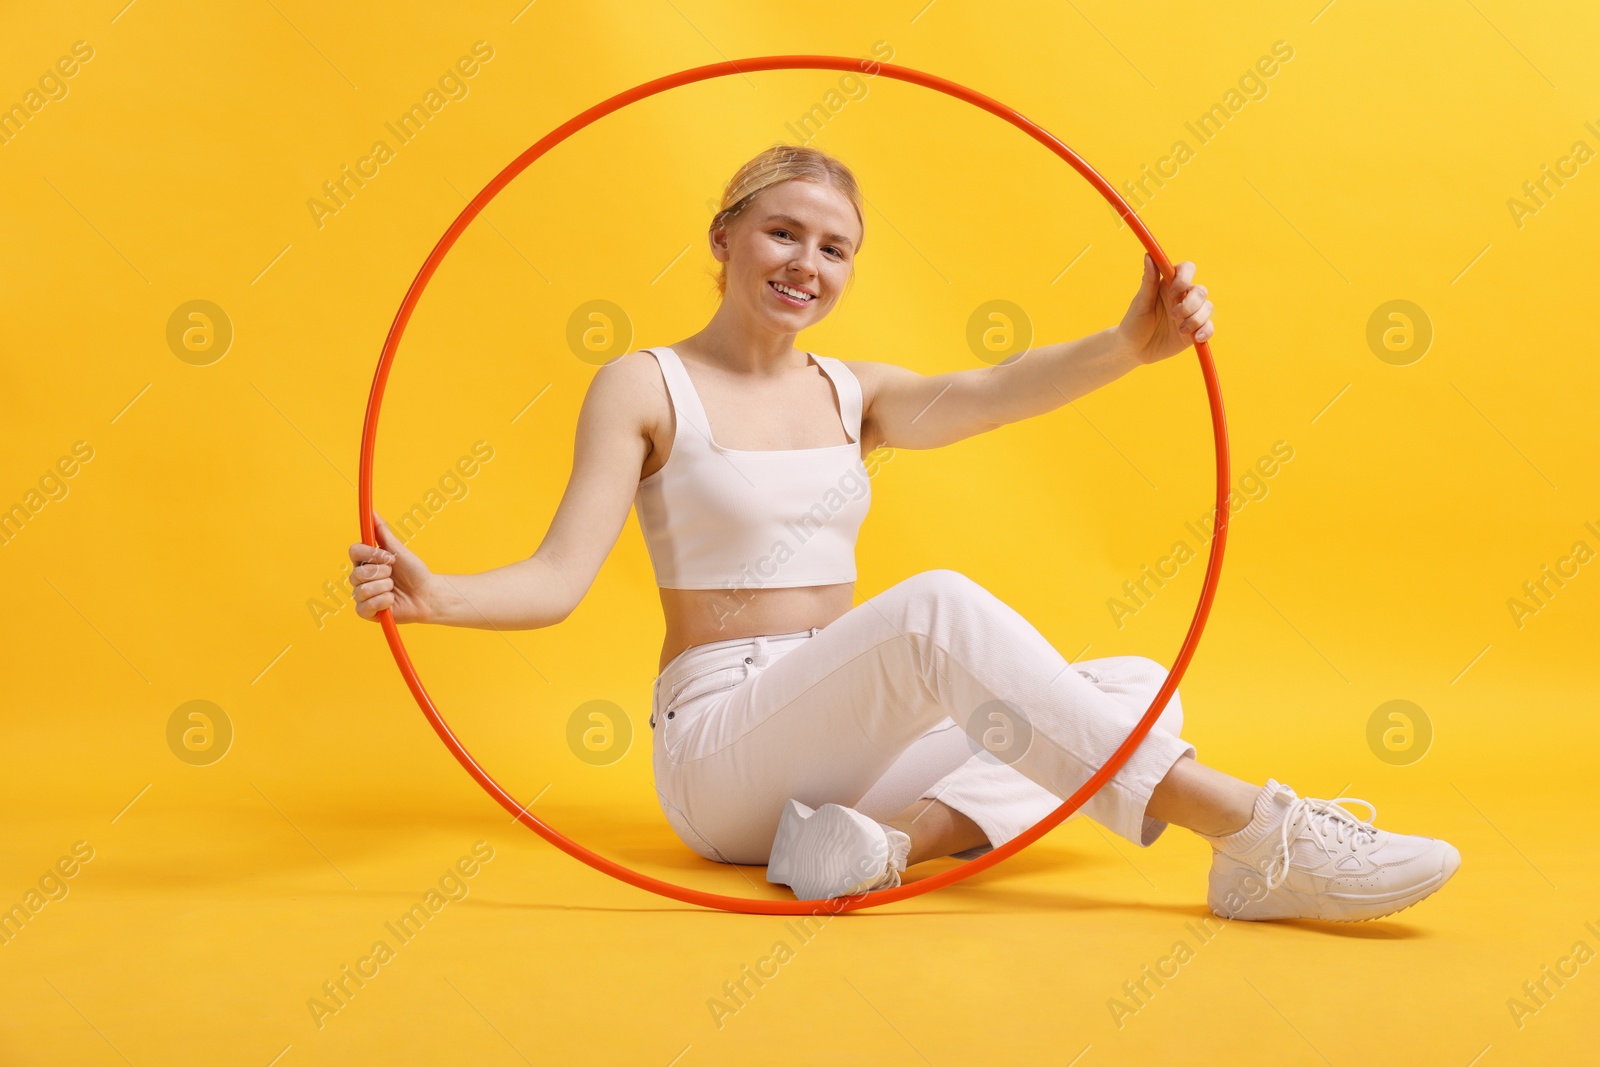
(389, 576)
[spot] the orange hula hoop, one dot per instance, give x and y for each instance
(369, 434)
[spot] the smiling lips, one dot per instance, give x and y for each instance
(790, 295)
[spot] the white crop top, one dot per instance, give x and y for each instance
(725, 518)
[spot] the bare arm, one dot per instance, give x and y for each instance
(609, 451)
(611, 445)
(911, 410)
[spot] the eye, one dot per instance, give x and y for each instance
(835, 249)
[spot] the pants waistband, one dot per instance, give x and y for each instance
(755, 646)
(752, 650)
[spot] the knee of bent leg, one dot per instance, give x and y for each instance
(935, 601)
(946, 586)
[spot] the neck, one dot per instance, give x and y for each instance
(737, 342)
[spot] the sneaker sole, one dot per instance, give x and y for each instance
(1305, 902)
(813, 849)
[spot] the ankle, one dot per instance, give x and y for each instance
(935, 830)
(1239, 813)
(1227, 825)
(1241, 821)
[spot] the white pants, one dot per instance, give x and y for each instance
(933, 688)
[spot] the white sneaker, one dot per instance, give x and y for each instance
(1302, 858)
(835, 851)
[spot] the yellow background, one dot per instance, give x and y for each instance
(181, 561)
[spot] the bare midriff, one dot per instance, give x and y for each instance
(700, 616)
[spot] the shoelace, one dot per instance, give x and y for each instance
(1321, 817)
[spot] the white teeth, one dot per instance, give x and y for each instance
(797, 294)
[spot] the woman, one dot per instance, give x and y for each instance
(841, 744)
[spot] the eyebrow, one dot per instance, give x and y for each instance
(791, 220)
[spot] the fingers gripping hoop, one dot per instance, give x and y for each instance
(369, 434)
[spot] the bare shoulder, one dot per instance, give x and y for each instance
(626, 400)
(629, 385)
(875, 376)
(876, 380)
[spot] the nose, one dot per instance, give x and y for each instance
(804, 262)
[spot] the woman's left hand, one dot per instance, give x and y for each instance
(1163, 320)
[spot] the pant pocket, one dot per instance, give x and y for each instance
(693, 696)
(697, 686)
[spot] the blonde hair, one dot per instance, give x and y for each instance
(773, 166)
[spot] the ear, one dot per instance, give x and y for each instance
(717, 237)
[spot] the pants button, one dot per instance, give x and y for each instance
(747, 659)
(670, 714)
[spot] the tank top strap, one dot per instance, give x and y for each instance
(686, 404)
(848, 387)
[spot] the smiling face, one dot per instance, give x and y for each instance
(798, 235)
